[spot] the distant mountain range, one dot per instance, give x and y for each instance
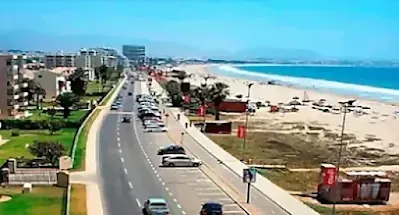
(28, 40)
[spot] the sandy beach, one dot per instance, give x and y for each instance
(378, 129)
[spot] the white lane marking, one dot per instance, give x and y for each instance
(125, 170)
(120, 151)
(175, 200)
(183, 212)
(118, 139)
(138, 202)
(117, 133)
(179, 206)
(166, 188)
(156, 172)
(150, 143)
(163, 183)
(119, 144)
(170, 194)
(130, 185)
(122, 160)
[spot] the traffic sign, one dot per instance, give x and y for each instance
(249, 175)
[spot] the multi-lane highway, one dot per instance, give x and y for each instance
(130, 172)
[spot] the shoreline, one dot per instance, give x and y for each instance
(251, 75)
(379, 122)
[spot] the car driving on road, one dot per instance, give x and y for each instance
(155, 129)
(212, 208)
(126, 119)
(171, 149)
(155, 206)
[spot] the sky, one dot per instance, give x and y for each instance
(335, 28)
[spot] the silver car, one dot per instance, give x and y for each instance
(181, 161)
(155, 129)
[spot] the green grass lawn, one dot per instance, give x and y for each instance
(80, 153)
(75, 116)
(15, 147)
(42, 200)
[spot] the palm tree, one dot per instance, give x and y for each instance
(67, 100)
(201, 93)
(181, 75)
(218, 93)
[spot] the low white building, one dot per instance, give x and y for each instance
(54, 84)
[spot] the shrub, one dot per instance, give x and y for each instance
(15, 133)
(54, 126)
(50, 151)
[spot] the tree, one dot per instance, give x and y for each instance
(50, 151)
(181, 75)
(35, 91)
(218, 93)
(173, 89)
(67, 100)
(54, 126)
(104, 73)
(78, 82)
(201, 93)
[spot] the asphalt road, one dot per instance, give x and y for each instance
(130, 171)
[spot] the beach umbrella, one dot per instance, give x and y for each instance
(295, 98)
(294, 103)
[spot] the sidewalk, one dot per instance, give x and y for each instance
(271, 191)
(90, 177)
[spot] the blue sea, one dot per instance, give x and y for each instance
(377, 83)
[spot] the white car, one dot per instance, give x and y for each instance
(155, 129)
(180, 160)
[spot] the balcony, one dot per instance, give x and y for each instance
(16, 96)
(15, 77)
(23, 94)
(16, 107)
(23, 85)
(16, 86)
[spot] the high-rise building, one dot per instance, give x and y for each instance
(135, 53)
(13, 99)
(59, 60)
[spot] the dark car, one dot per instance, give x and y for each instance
(129, 93)
(171, 149)
(212, 208)
(126, 119)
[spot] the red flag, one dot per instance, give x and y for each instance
(242, 131)
(201, 111)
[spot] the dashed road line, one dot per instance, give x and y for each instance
(122, 160)
(120, 151)
(125, 170)
(138, 202)
(130, 185)
(118, 139)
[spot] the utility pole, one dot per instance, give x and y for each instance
(246, 122)
(341, 146)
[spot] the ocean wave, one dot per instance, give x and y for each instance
(346, 88)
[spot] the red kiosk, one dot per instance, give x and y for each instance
(357, 187)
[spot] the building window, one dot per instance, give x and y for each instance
(39, 76)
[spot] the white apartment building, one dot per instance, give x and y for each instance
(59, 60)
(89, 59)
(54, 84)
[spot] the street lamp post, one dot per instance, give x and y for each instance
(246, 122)
(341, 146)
(204, 85)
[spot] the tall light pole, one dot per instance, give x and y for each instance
(246, 123)
(204, 89)
(341, 146)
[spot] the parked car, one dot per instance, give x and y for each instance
(114, 107)
(129, 93)
(171, 149)
(181, 160)
(155, 206)
(211, 208)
